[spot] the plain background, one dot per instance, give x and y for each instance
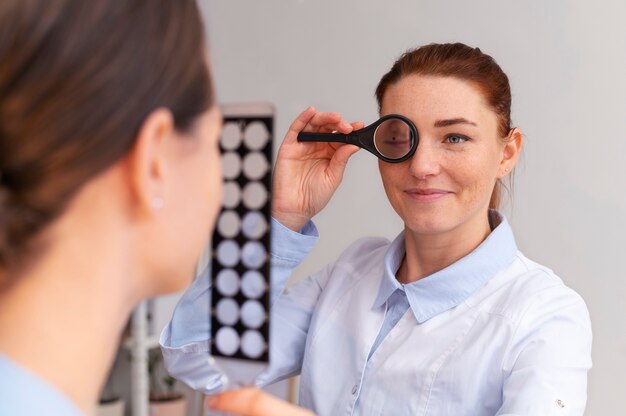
(566, 61)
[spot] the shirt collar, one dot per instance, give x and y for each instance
(450, 286)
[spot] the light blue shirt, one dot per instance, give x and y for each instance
(492, 334)
(23, 393)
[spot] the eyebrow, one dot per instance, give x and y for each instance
(453, 121)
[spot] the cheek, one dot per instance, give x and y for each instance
(216, 186)
(199, 192)
(388, 176)
(475, 175)
(393, 177)
(210, 174)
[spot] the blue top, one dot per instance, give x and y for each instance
(450, 286)
(23, 393)
(492, 334)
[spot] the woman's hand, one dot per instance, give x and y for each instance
(307, 174)
(251, 401)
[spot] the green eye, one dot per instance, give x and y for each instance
(456, 139)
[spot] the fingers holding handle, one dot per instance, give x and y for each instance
(306, 175)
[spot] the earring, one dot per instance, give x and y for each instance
(157, 203)
(506, 169)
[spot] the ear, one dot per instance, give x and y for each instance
(511, 152)
(147, 162)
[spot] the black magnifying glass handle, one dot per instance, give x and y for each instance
(393, 138)
(327, 137)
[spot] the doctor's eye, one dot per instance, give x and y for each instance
(456, 139)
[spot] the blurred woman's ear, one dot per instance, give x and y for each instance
(147, 164)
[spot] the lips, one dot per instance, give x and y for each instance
(427, 194)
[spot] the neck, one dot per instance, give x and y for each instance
(77, 289)
(429, 253)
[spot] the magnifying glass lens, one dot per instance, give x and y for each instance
(393, 138)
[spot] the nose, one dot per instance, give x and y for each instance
(425, 161)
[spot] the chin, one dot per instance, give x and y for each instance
(183, 278)
(429, 225)
(173, 280)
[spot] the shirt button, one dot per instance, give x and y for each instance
(355, 389)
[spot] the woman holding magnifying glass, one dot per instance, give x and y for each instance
(450, 317)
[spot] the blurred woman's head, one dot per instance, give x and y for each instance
(460, 101)
(107, 103)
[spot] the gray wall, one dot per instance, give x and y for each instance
(566, 61)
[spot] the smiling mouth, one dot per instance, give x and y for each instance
(427, 194)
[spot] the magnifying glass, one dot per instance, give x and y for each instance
(392, 138)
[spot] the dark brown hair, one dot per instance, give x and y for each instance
(463, 62)
(77, 80)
